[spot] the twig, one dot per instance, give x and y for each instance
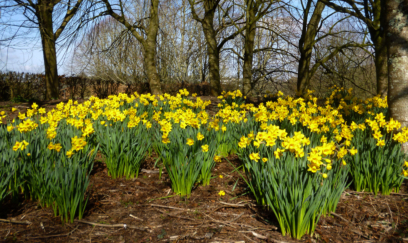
(340, 217)
(219, 221)
(186, 209)
(259, 236)
(170, 207)
(14, 222)
(135, 217)
(100, 208)
(227, 214)
(90, 235)
(159, 198)
(353, 192)
(235, 219)
(398, 213)
(114, 225)
(51, 236)
(371, 202)
(231, 224)
(174, 216)
(226, 174)
(247, 237)
(233, 205)
(277, 241)
(245, 201)
(359, 233)
(229, 205)
(8, 232)
(180, 237)
(219, 240)
(392, 220)
(152, 171)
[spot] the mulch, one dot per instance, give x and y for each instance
(145, 210)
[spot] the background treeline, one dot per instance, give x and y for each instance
(21, 87)
(109, 51)
(257, 46)
(28, 87)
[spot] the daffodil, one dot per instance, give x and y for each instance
(204, 148)
(217, 158)
(190, 142)
(255, 157)
(353, 151)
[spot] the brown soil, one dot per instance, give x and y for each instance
(153, 214)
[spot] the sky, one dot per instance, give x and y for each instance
(29, 59)
(24, 53)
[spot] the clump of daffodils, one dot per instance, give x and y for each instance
(20, 145)
(77, 145)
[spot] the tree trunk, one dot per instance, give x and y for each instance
(212, 51)
(381, 56)
(306, 44)
(304, 70)
(250, 32)
(397, 44)
(150, 49)
(377, 34)
(381, 68)
(44, 15)
(9, 82)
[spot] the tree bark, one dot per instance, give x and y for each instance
(380, 47)
(397, 45)
(306, 44)
(150, 49)
(381, 69)
(212, 50)
(303, 80)
(250, 32)
(44, 15)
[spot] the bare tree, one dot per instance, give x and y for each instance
(225, 14)
(351, 68)
(55, 20)
(109, 52)
(268, 55)
(315, 28)
(182, 51)
(372, 14)
(307, 42)
(144, 27)
(254, 11)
